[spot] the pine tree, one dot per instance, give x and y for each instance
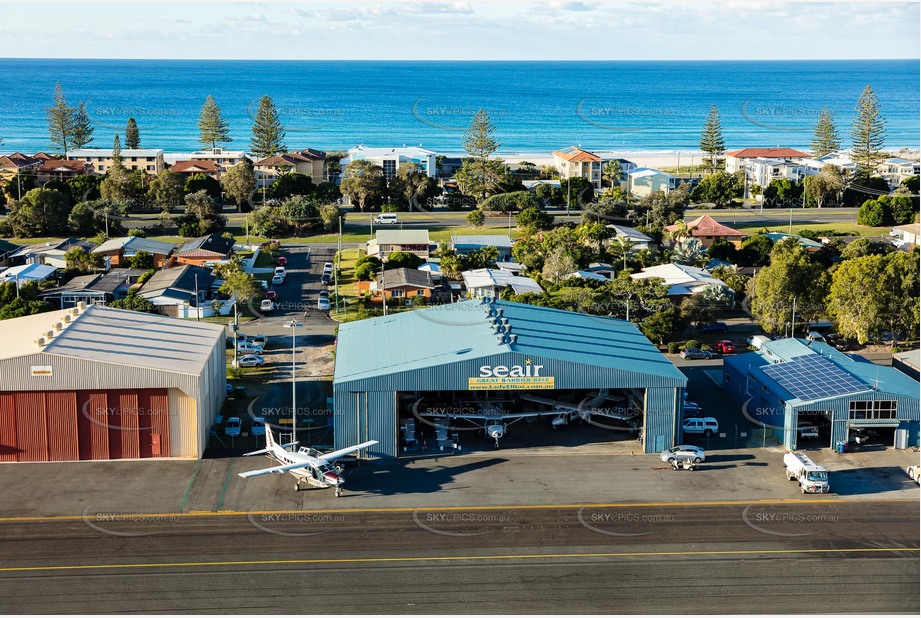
(868, 134)
(60, 120)
(83, 128)
(268, 133)
(132, 135)
(711, 140)
(117, 152)
(825, 138)
(214, 129)
(479, 142)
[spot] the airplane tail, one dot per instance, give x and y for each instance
(269, 438)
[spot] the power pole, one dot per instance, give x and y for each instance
(197, 301)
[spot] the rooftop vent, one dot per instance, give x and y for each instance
(40, 342)
(67, 318)
(81, 306)
(59, 326)
(49, 334)
(513, 338)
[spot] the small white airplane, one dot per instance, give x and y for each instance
(305, 464)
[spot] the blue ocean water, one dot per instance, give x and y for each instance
(536, 106)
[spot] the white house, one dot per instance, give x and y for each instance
(841, 160)
(640, 240)
(574, 162)
(149, 160)
(644, 180)
(896, 169)
(386, 242)
(390, 159)
(905, 236)
(681, 280)
(27, 272)
(489, 282)
(222, 159)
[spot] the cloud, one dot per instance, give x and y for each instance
(439, 8)
(572, 6)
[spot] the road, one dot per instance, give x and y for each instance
(779, 557)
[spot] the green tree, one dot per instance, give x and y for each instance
(268, 133)
(167, 190)
(403, 259)
(825, 138)
(132, 135)
(141, 259)
(829, 182)
(659, 326)
(476, 218)
(414, 186)
(134, 302)
(119, 185)
(782, 193)
(856, 297)
(328, 192)
(510, 202)
(479, 175)
(292, 183)
(365, 272)
(611, 172)
(534, 218)
(756, 251)
(239, 184)
(610, 205)
(83, 187)
(558, 263)
(790, 275)
(213, 128)
(719, 188)
(137, 232)
(873, 213)
(117, 152)
(82, 127)
(202, 216)
(82, 261)
(329, 217)
(203, 182)
(60, 117)
(363, 183)
(862, 247)
(902, 281)
(301, 212)
(868, 135)
(711, 141)
(900, 207)
(722, 249)
(41, 212)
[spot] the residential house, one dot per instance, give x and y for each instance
(406, 283)
(490, 282)
(173, 292)
(841, 160)
(223, 159)
(204, 250)
(897, 169)
(626, 168)
(95, 289)
(681, 280)
(308, 161)
(149, 160)
(600, 268)
(707, 229)
(386, 242)
(909, 363)
(467, 244)
(27, 272)
(808, 244)
(513, 268)
(434, 270)
(61, 169)
(17, 163)
(852, 394)
(390, 159)
(643, 181)
(738, 159)
(118, 251)
(905, 237)
(640, 240)
(574, 162)
(51, 253)
(6, 250)
(584, 274)
(196, 166)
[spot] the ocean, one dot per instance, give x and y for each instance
(537, 107)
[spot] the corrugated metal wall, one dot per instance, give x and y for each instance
(186, 437)
(907, 411)
(366, 409)
(84, 425)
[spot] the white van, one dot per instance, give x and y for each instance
(756, 341)
(386, 218)
(814, 336)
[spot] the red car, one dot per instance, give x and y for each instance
(725, 347)
(272, 295)
(282, 261)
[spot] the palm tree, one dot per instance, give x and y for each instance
(624, 245)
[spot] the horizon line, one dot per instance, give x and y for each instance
(455, 60)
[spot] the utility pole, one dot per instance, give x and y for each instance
(383, 291)
(197, 301)
(793, 319)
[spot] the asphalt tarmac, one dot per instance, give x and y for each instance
(772, 557)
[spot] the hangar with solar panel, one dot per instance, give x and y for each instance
(811, 395)
(490, 374)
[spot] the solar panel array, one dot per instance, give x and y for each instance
(812, 377)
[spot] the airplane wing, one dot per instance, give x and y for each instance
(279, 469)
(330, 457)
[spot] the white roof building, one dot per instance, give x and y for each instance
(681, 280)
(27, 272)
(390, 159)
(488, 281)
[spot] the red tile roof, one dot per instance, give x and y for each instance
(17, 160)
(768, 153)
(60, 165)
(195, 166)
(577, 155)
(306, 155)
(707, 226)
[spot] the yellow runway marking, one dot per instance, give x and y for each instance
(449, 509)
(739, 552)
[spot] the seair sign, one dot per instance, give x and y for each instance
(510, 377)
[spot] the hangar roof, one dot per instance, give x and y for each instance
(449, 334)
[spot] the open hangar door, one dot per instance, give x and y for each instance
(486, 419)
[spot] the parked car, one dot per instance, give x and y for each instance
(861, 437)
(258, 428)
(278, 280)
(756, 341)
(692, 409)
(725, 347)
(229, 389)
(683, 452)
(266, 305)
(260, 340)
(323, 301)
(263, 283)
(328, 268)
(696, 354)
(282, 260)
(838, 342)
(805, 429)
(914, 473)
(706, 425)
(249, 360)
(280, 270)
(715, 327)
(386, 218)
(814, 336)
(233, 427)
(248, 347)
(272, 295)
(326, 279)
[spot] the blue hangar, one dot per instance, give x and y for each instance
(448, 373)
(793, 382)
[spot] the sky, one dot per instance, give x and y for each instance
(413, 30)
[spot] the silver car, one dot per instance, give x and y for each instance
(683, 452)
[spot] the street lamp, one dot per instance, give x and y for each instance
(293, 325)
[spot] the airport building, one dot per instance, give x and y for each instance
(789, 384)
(94, 383)
(464, 373)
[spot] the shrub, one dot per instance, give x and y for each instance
(137, 232)
(692, 343)
(674, 347)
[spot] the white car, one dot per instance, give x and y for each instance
(278, 280)
(914, 473)
(387, 218)
(323, 301)
(683, 452)
(280, 270)
(706, 425)
(266, 305)
(249, 360)
(327, 268)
